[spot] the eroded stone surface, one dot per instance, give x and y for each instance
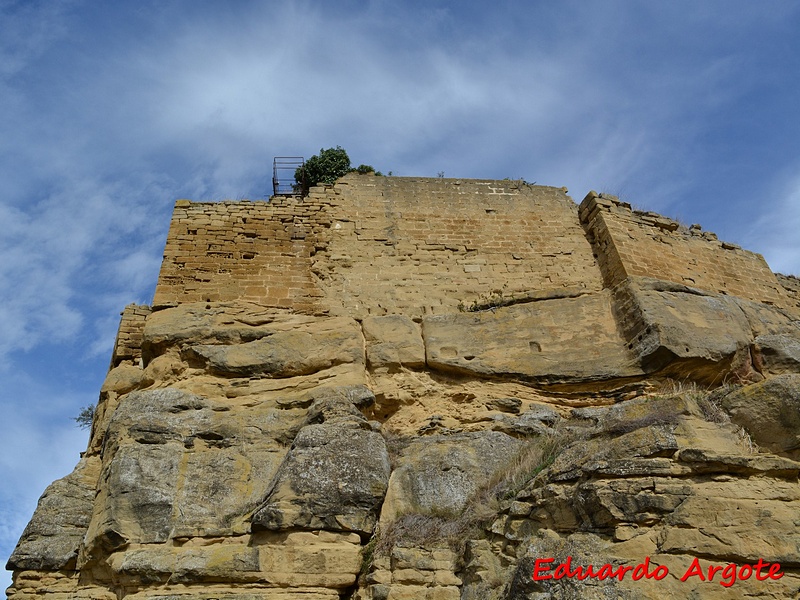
(676, 328)
(437, 474)
(51, 540)
(393, 341)
(301, 351)
(567, 339)
(334, 478)
(778, 354)
(770, 412)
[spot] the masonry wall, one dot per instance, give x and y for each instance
(791, 285)
(422, 246)
(384, 245)
(259, 251)
(128, 345)
(378, 245)
(638, 244)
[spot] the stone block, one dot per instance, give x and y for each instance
(770, 412)
(334, 477)
(437, 474)
(677, 329)
(564, 339)
(393, 341)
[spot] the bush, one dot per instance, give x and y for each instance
(85, 417)
(326, 167)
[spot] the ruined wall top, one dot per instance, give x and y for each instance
(378, 245)
(372, 245)
(645, 244)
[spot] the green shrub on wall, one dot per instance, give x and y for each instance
(327, 167)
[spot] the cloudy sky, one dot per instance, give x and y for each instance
(112, 110)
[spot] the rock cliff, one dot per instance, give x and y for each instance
(437, 389)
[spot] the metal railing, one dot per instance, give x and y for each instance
(283, 175)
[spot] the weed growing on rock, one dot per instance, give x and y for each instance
(712, 412)
(367, 554)
(534, 458)
(423, 531)
(745, 441)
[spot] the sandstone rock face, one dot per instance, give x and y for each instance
(671, 488)
(393, 341)
(438, 474)
(358, 395)
(179, 465)
(778, 353)
(680, 329)
(301, 351)
(335, 475)
(51, 540)
(567, 339)
(771, 411)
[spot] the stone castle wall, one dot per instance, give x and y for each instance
(422, 246)
(375, 245)
(128, 345)
(382, 245)
(260, 251)
(638, 244)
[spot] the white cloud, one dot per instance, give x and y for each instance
(70, 245)
(27, 30)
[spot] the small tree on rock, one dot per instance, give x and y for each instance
(85, 417)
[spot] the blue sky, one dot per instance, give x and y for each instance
(112, 110)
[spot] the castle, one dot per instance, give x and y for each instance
(316, 371)
(373, 246)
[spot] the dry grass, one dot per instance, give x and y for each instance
(708, 402)
(535, 457)
(483, 507)
(422, 531)
(712, 412)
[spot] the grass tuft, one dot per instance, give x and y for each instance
(426, 530)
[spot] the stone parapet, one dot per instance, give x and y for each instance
(128, 345)
(633, 243)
